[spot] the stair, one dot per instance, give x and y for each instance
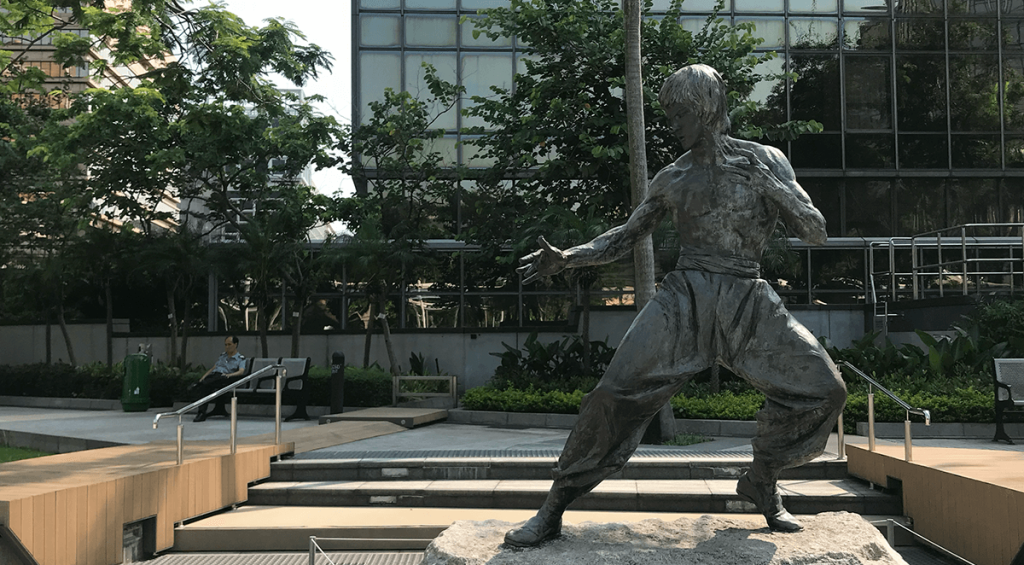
(401, 500)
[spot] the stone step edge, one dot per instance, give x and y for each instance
(692, 460)
(712, 428)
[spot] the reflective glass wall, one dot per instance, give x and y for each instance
(922, 103)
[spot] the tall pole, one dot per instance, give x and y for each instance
(643, 253)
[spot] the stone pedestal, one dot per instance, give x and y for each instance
(829, 538)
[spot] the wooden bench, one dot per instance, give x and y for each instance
(1009, 383)
(295, 389)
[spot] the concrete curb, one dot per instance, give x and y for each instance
(939, 431)
(711, 428)
(66, 403)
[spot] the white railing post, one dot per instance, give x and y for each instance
(908, 448)
(841, 437)
(871, 419)
(234, 423)
(281, 374)
(181, 440)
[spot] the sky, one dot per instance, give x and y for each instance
(326, 23)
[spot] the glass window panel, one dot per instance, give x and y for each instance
(380, 4)
(921, 92)
(818, 151)
(445, 65)
(921, 7)
(521, 63)
(826, 195)
(920, 205)
(1013, 200)
(1013, 35)
(870, 151)
(924, 151)
(974, 7)
(770, 86)
(771, 30)
(974, 92)
(837, 276)
(377, 71)
(483, 4)
(1015, 152)
(472, 156)
(1013, 93)
(480, 71)
(974, 201)
(429, 4)
(976, 152)
(379, 31)
(431, 311)
(426, 31)
(759, 5)
(485, 274)
(866, 6)
(867, 35)
(482, 40)
(814, 6)
(492, 311)
(692, 25)
(703, 5)
(868, 89)
(813, 34)
(446, 147)
(868, 208)
(974, 35)
(547, 310)
(815, 95)
(922, 34)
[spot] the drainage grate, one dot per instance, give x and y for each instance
(642, 453)
(412, 558)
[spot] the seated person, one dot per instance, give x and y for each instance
(229, 366)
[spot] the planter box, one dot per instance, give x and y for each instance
(892, 430)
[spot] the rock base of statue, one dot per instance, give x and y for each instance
(828, 538)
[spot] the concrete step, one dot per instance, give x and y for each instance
(646, 464)
(692, 495)
(287, 528)
(243, 557)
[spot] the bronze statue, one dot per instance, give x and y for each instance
(725, 196)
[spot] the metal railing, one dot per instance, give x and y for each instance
(315, 548)
(892, 526)
(262, 373)
(958, 243)
(873, 384)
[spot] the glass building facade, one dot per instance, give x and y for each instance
(922, 103)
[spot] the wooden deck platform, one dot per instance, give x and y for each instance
(408, 417)
(71, 508)
(970, 501)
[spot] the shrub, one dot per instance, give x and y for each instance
(515, 400)
(723, 406)
(363, 387)
(555, 366)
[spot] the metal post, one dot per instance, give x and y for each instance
(942, 282)
(841, 438)
(892, 269)
(890, 532)
(907, 445)
(871, 420)
(963, 253)
(281, 373)
(234, 423)
(913, 263)
(181, 444)
(312, 550)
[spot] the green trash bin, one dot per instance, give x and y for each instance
(135, 392)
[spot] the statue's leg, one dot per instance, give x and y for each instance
(659, 353)
(804, 396)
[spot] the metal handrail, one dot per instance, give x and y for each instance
(872, 384)
(281, 373)
(315, 547)
(890, 527)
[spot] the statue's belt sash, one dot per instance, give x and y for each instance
(721, 264)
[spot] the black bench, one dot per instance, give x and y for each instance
(295, 389)
(1009, 393)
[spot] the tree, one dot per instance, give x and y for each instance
(562, 127)
(403, 205)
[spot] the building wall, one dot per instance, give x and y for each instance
(465, 354)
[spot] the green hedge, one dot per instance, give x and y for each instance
(966, 405)
(167, 385)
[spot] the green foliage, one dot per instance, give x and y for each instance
(515, 400)
(723, 406)
(364, 387)
(959, 405)
(555, 366)
(687, 439)
(1002, 321)
(8, 454)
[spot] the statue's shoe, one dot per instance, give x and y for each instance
(768, 501)
(533, 532)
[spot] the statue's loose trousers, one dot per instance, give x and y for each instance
(698, 318)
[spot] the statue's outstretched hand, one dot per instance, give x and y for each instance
(543, 262)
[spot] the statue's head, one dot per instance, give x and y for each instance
(699, 88)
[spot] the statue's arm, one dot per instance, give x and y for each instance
(606, 247)
(619, 241)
